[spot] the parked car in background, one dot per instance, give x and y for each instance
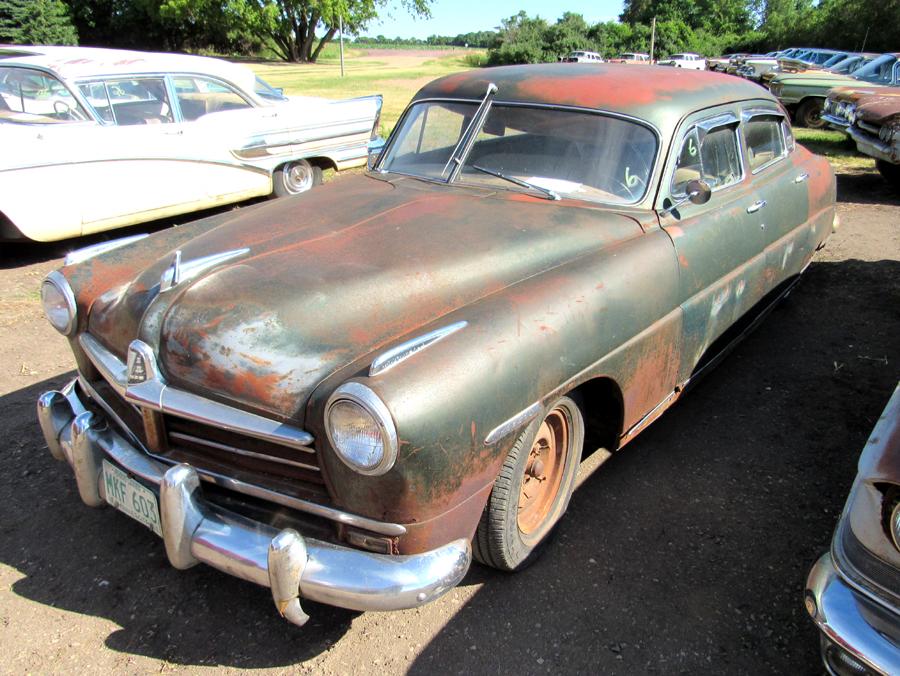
(845, 66)
(853, 591)
(876, 131)
(839, 110)
(753, 67)
(685, 60)
(804, 94)
(127, 137)
(717, 63)
(633, 58)
(583, 57)
(338, 396)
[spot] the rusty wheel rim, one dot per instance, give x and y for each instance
(543, 473)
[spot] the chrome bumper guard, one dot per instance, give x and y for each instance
(843, 615)
(874, 147)
(837, 123)
(195, 530)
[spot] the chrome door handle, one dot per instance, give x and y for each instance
(801, 177)
(756, 206)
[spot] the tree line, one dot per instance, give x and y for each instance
(298, 30)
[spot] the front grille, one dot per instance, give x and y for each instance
(863, 567)
(210, 449)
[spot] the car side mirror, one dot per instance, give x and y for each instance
(376, 145)
(698, 191)
(695, 191)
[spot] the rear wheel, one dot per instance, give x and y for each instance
(890, 172)
(296, 177)
(533, 489)
(809, 113)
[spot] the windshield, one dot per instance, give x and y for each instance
(879, 71)
(35, 97)
(834, 59)
(575, 154)
(266, 91)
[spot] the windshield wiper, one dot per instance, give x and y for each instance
(458, 156)
(546, 192)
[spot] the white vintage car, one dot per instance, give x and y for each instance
(95, 139)
(685, 60)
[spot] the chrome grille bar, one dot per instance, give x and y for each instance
(178, 436)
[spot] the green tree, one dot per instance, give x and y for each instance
(298, 30)
(36, 22)
(521, 41)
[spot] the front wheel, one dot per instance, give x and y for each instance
(532, 491)
(890, 172)
(296, 177)
(809, 113)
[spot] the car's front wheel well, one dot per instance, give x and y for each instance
(8, 230)
(602, 406)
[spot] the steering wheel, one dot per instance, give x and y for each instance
(631, 186)
(62, 108)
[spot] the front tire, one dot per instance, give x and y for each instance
(809, 113)
(295, 177)
(532, 491)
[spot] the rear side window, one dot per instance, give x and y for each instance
(711, 156)
(199, 96)
(765, 140)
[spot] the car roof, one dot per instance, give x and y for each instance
(78, 63)
(657, 94)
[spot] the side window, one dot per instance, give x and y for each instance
(788, 135)
(199, 96)
(709, 155)
(130, 101)
(765, 140)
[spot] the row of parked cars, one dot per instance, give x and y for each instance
(682, 60)
(856, 93)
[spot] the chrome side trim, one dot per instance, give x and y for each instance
(195, 530)
(83, 254)
(513, 423)
(403, 351)
(178, 436)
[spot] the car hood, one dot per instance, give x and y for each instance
(851, 94)
(334, 275)
(879, 110)
(817, 78)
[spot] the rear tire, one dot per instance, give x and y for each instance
(890, 172)
(532, 491)
(295, 177)
(809, 113)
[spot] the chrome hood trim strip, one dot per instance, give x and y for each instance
(403, 351)
(154, 393)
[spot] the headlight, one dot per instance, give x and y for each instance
(895, 526)
(59, 303)
(361, 429)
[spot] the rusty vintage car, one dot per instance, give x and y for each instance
(853, 591)
(341, 395)
(876, 130)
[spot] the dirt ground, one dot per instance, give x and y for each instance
(686, 553)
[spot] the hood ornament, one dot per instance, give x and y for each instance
(179, 272)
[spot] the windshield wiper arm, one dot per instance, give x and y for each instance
(546, 192)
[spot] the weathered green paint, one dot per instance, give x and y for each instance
(555, 293)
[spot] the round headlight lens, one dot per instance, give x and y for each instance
(361, 430)
(59, 303)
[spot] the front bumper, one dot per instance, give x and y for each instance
(852, 624)
(196, 530)
(837, 123)
(874, 147)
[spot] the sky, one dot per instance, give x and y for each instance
(452, 17)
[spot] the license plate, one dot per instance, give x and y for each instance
(130, 497)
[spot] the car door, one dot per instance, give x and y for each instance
(719, 245)
(781, 208)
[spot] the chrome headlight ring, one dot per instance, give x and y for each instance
(58, 301)
(354, 398)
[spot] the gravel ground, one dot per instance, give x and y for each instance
(686, 553)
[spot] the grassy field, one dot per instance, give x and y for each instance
(395, 74)
(834, 145)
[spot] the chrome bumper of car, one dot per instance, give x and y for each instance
(195, 530)
(873, 147)
(847, 620)
(835, 122)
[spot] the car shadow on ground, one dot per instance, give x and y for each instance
(866, 187)
(687, 552)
